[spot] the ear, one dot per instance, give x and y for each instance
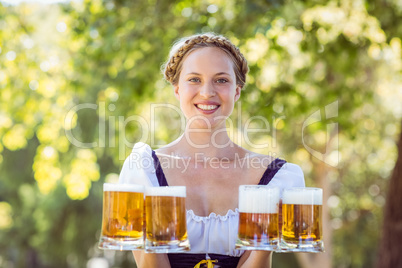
(176, 92)
(237, 94)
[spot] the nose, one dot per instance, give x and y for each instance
(207, 90)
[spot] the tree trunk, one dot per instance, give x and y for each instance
(390, 245)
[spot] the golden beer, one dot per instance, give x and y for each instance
(302, 223)
(302, 220)
(258, 217)
(166, 226)
(258, 226)
(123, 217)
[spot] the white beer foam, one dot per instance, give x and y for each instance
(260, 199)
(178, 191)
(120, 187)
(302, 196)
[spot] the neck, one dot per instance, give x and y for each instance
(210, 143)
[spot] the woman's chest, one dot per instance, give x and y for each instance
(209, 189)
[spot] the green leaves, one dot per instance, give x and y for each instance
(81, 82)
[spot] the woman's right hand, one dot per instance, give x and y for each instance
(149, 260)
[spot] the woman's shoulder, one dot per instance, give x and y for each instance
(254, 157)
(168, 149)
(141, 147)
(272, 158)
(145, 150)
(138, 168)
(289, 175)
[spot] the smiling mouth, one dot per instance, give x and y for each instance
(206, 107)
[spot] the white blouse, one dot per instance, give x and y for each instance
(215, 234)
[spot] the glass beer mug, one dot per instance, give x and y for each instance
(123, 217)
(258, 218)
(166, 226)
(302, 220)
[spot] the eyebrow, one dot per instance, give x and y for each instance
(220, 73)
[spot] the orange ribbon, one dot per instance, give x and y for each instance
(209, 263)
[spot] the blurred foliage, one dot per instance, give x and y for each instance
(80, 82)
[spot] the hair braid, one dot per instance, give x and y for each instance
(183, 47)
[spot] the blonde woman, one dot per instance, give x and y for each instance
(207, 73)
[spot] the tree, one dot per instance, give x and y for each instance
(390, 246)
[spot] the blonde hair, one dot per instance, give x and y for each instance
(185, 46)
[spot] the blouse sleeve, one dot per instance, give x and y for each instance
(138, 168)
(290, 175)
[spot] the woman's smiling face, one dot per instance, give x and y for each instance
(207, 88)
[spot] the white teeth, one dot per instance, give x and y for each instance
(207, 107)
